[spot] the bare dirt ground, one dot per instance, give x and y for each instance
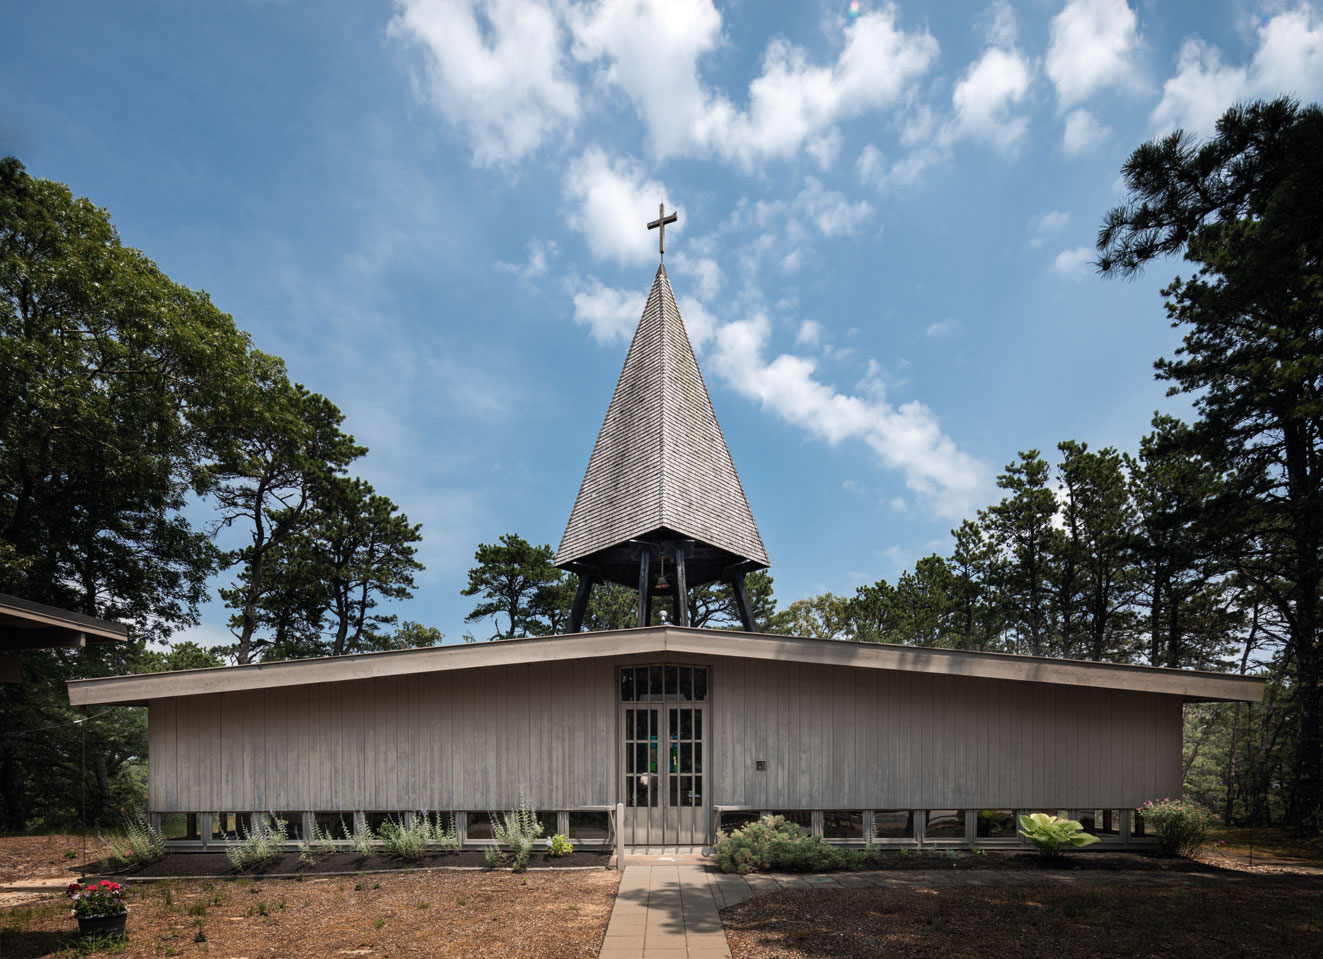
(1263, 851)
(424, 914)
(41, 857)
(1267, 916)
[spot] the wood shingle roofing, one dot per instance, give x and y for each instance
(661, 461)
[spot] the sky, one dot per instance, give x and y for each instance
(435, 212)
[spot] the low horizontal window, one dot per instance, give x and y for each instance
(945, 824)
(893, 823)
(996, 824)
(1101, 822)
(590, 826)
(842, 824)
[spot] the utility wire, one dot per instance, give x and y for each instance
(75, 722)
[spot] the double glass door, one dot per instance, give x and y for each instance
(663, 775)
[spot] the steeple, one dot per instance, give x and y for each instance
(661, 489)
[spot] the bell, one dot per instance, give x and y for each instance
(663, 584)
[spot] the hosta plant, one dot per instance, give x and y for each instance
(558, 846)
(1051, 835)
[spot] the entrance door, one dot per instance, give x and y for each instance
(663, 765)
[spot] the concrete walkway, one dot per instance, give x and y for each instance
(665, 911)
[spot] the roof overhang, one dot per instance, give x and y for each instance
(1187, 684)
(25, 625)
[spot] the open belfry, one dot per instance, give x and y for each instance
(661, 508)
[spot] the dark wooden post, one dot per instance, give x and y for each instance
(586, 580)
(645, 586)
(742, 601)
(681, 587)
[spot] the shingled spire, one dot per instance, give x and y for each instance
(661, 488)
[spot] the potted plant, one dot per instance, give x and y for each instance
(99, 908)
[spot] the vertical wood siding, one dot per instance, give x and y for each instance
(833, 738)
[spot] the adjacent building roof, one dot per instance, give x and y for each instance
(1187, 684)
(661, 461)
(28, 625)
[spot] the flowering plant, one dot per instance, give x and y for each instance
(104, 898)
(1181, 825)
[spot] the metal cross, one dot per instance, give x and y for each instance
(659, 225)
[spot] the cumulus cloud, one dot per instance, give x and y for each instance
(984, 97)
(1073, 264)
(610, 314)
(940, 330)
(610, 201)
(704, 270)
(810, 334)
(1289, 59)
(539, 252)
(830, 211)
(651, 50)
(1083, 131)
(905, 437)
(1045, 224)
(1091, 48)
(496, 72)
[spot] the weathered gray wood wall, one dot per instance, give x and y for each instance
(833, 738)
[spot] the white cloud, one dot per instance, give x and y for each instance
(810, 334)
(1072, 264)
(1289, 59)
(1091, 49)
(698, 322)
(651, 49)
(940, 330)
(852, 486)
(611, 202)
(984, 96)
(1083, 130)
(830, 211)
(498, 74)
(704, 269)
(905, 437)
(1045, 224)
(999, 24)
(609, 313)
(539, 252)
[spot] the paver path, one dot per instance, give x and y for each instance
(667, 911)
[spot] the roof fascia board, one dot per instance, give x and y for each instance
(950, 662)
(332, 669)
(1187, 684)
(43, 615)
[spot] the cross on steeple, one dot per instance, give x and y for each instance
(659, 225)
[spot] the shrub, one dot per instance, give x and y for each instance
(1051, 836)
(559, 846)
(1181, 825)
(772, 844)
(362, 837)
(404, 840)
(262, 843)
(141, 842)
(445, 837)
(518, 829)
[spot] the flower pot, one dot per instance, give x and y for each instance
(103, 925)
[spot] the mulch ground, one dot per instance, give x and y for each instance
(215, 864)
(1268, 916)
(966, 860)
(36, 857)
(425, 914)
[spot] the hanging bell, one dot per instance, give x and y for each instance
(663, 584)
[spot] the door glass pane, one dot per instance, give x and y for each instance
(700, 684)
(698, 724)
(655, 682)
(629, 759)
(629, 724)
(672, 682)
(652, 723)
(627, 685)
(698, 757)
(675, 782)
(686, 683)
(686, 724)
(652, 757)
(696, 799)
(674, 722)
(641, 758)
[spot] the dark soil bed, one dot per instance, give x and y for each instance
(215, 864)
(1027, 861)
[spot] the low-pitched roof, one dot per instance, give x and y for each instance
(27, 625)
(1187, 684)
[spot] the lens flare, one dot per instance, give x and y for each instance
(852, 11)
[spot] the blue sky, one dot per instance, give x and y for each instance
(435, 213)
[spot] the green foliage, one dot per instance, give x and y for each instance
(518, 830)
(361, 837)
(507, 578)
(406, 840)
(140, 842)
(262, 842)
(774, 845)
(1181, 825)
(558, 846)
(1051, 836)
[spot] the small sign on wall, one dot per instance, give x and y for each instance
(760, 765)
